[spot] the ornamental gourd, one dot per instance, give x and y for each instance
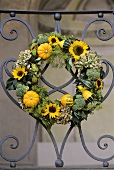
(64, 44)
(67, 99)
(87, 95)
(31, 98)
(44, 50)
(87, 83)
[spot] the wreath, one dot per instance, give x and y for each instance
(59, 51)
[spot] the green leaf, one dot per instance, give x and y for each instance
(70, 62)
(57, 102)
(28, 77)
(52, 121)
(84, 116)
(33, 45)
(75, 114)
(75, 121)
(34, 52)
(11, 84)
(34, 41)
(68, 67)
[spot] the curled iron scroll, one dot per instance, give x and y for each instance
(12, 146)
(104, 160)
(4, 66)
(108, 66)
(99, 30)
(107, 63)
(13, 31)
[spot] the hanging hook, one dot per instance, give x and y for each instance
(57, 17)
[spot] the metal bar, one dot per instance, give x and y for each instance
(56, 11)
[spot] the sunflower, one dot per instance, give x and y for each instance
(53, 40)
(99, 83)
(78, 48)
(52, 110)
(19, 72)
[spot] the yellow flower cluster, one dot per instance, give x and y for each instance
(76, 49)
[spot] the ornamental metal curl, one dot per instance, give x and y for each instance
(104, 160)
(100, 29)
(107, 63)
(57, 16)
(13, 31)
(12, 146)
(4, 65)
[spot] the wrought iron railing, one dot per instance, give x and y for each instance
(57, 17)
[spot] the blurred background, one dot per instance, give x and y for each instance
(15, 122)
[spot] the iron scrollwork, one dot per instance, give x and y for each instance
(57, 16)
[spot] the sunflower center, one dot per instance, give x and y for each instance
(53, 40)
(20, 73)
(98, 83)
(78, 50)
(52, 109)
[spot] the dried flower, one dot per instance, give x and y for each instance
(65, 115)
